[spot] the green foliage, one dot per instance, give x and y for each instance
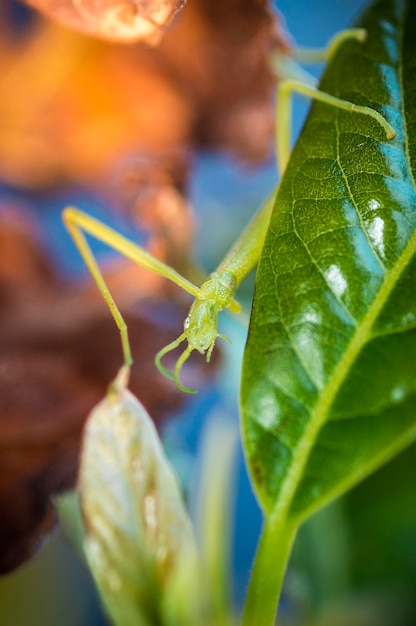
(329, 377)
(381, 514)
(358, 553)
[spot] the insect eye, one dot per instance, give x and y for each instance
(187, 323)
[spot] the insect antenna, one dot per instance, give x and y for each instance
(179, 363)
(159, 356)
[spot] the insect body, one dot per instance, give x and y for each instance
(200, 328)
(214, 295)
(217, 292)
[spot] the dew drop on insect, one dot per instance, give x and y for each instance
(187, 323)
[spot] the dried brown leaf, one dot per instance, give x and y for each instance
(116, 20)
(209, 83)
(220, 50)
(99, 103)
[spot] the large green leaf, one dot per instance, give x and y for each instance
(329, 376)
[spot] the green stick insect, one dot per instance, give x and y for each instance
(217, 292)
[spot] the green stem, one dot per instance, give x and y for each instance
(268, 571)
(214, 512)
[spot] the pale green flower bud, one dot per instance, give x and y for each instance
(139, 540)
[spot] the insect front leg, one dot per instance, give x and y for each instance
(74, 229)
(77, 223)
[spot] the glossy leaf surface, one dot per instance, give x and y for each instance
(329, 377)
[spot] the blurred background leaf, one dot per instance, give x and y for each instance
(355, 561)
(118, 20)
